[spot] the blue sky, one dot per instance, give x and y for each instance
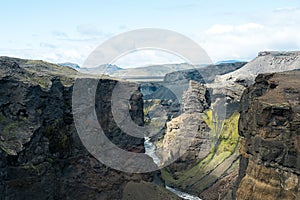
(67, 31)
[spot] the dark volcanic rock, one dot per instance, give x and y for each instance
(269, 125)
(41, 155)
(144, 190)
(203, 75)
(209, 165)
(180, 79)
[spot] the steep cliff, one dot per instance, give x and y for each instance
(160, 90)
(214, 176)
(210, 163)
(205, 74)
(270, 148)
(233, 84)
(41, 155)
(189, 127)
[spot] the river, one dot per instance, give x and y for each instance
(150, 151)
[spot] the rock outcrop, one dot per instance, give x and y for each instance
(212, 158)
(233, 84)
(214, 176)
(270, 148)
(181, 78)
(203, 75)
(41, 155)
(210, 164)
(145, 190)
(187, 131)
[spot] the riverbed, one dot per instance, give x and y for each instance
(150, 151)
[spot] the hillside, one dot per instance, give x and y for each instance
(41, 153)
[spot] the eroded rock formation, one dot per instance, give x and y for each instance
(41, 155)
(188, 129)
(270, 130)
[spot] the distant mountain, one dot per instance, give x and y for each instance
(139, 72)
(204, 74)
(68, 64)
(181, 79)
(102, 69)
(152, 71)
(228, 61)
(233, 84)
(266, 62)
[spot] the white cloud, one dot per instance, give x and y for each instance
(249, 27)
(74, 52)
(220, 29)
(286, 9)
(88, 29)
(223, 29)
(147, 57)
(273, 30)
(59, 34)
(244, 41)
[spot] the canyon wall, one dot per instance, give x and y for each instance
(270, 129)
(41, 154)
(214, 176)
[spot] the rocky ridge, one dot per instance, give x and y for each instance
(41, 155)
(233, 84)
(211, 161)
(269, 127)
(214, 176)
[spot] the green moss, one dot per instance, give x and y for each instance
(10, 129)
(229, 137)
(50, 160)
(59, 140)
(159, 143)
(64, 141)
(3, 118)
(226, 134)
(36, 169)
(36, 80)
(150, 105)
(6, 148)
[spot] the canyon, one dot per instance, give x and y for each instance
(239, 123)
(41, 154)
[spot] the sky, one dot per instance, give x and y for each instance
(68, 31)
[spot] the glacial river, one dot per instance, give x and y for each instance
(150, 151)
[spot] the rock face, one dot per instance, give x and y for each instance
(211, 160)
(233, 84)
(41, 155)
(144, 190)
(204, 74)
(270, 148)
(196, 99)
(210, 165)
(189, 127)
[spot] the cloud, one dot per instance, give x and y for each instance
(277, 32)
(147, 57)
(123, 27)
(287, 9)
(60, 34)
(179, 6)
(222, 29)
(68, 52)
(47, 45)
(243, 38)
(88, 29)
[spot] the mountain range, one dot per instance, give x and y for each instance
(157, 71)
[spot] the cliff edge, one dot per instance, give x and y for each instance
(270, 129)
